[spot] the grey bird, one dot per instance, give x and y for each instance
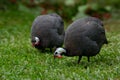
(84, 37)
(47, 31)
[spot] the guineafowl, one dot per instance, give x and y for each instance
(47, 31)
(84, 37)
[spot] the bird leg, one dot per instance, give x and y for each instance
(43, 50)
(88, 58)
(50, 49)
(79, 59)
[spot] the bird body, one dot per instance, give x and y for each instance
(84, 37)
(49, 29)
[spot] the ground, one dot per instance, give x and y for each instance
(19, 60)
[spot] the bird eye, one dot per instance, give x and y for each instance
(33, 41)
(55, 52)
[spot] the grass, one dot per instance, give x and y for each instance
(20, 61)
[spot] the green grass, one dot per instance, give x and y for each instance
(20, 61)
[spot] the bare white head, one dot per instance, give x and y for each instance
(58, 53)
(35, 41)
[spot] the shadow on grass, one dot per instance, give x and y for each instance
(97, 61)
(82, 64)
(46, 51)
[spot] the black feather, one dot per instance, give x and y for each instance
(49, 29)
(84, 37)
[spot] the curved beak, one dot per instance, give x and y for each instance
(57, 56)
(33, 44)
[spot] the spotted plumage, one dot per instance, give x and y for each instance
(49, 29)
(84, 37)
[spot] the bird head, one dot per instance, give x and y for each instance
(35, 41)
(59, 52)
